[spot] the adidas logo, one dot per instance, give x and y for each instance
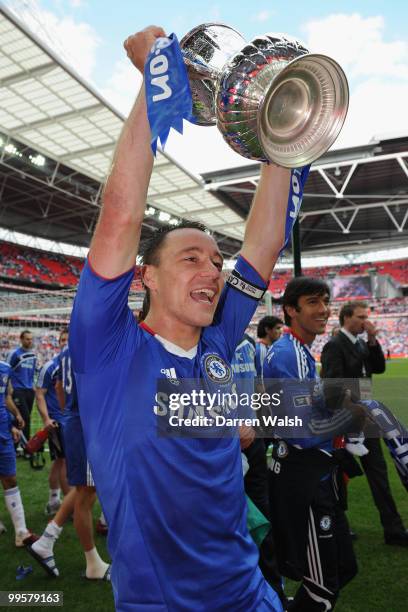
(170, 373)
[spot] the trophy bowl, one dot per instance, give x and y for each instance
(270, 98)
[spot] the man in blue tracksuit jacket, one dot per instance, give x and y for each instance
(310, 527)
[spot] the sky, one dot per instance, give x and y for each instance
(368, 39)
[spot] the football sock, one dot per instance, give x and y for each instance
(15, 507)
(95, 567)
(54, 496)
(45, 545)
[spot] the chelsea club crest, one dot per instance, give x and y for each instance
(217, 369)
(325, 523)
(282, 450)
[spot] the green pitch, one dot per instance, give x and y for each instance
(381, 584)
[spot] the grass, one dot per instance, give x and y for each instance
(381, 584)
(79, 594)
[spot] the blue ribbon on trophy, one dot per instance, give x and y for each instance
(168, 93)
(298, 178)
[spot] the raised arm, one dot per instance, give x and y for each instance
(117, 235)
(265, 227)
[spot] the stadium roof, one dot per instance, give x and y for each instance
(46, 109)
(56, 140)
(355, 199)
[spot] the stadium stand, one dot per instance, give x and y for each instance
(397, 269)
(42, 268)
(55, 269)
(390, 317)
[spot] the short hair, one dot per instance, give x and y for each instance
(300, 286)
(150, 253)
(26, 331)
(268, 322)
(64, 330)
(347, 310)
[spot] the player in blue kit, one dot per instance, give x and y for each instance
(9, 434)
(23, 364)
(81, 498)
(269, 330)
(175, 506)
(310, 527)
(53, 418)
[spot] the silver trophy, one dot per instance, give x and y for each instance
(270, 98)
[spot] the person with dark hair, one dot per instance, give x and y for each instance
(348, 357)
(269, 330)
(175, 505)
(334, 330)
(80, 500)
(23, 362)
(9, 433)
(53, 419)
(150, 254)
(310, 527)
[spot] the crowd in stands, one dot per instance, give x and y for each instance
(53, 269)
(393, 329)
(397, 269)
(35, 266)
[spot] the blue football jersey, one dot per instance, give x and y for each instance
(290, 359)
(66, 376)
(243, 366)
(47, 378)
(5, 416)
(175, 506)
(261, 351)
(23, 364)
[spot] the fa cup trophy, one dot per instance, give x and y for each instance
(270, 98)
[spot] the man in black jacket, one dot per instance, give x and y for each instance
(348, 357)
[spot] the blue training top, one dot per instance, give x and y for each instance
(23, 363)
(5, 416)
(66, 375)
(47, 378)
(175, 506)
(291, 368)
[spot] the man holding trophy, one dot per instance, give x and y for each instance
(175, 506)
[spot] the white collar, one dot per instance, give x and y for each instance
(177, 350)
(350, 336)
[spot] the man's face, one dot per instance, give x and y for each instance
(311, 314)
(63, 340)
(274, 333)
(27, 341)
(356, 323)
(188, 278)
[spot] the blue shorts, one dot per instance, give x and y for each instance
(78, 469)
(7, 456)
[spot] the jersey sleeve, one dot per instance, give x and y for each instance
(12, 358)
(44, 377)
(102, 328)
(239, 299)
